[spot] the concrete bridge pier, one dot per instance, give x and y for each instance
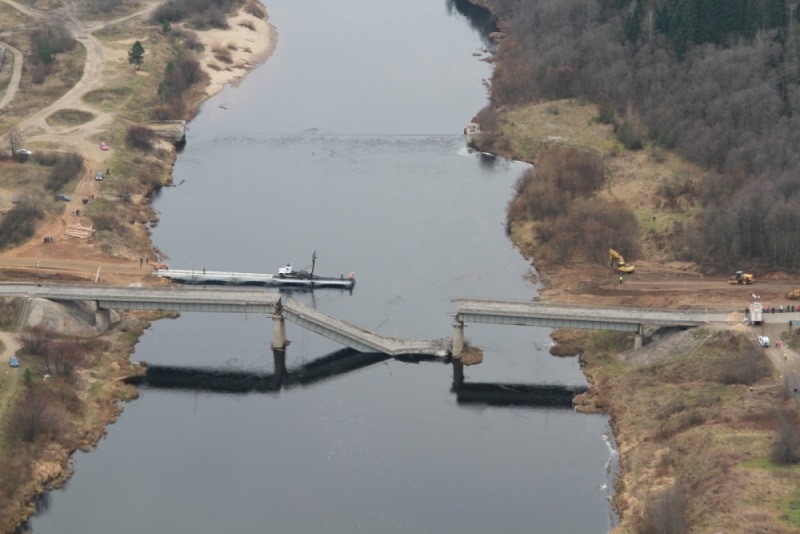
(458, 338)
(278, 331)
(638, 338)
(102, 318)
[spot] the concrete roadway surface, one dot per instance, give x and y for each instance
(786, 360)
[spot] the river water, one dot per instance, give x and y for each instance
(348, 142)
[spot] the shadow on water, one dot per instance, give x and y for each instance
(533, 395)
(236, 381)
(340, 363)
(42, 504)
(506, 394)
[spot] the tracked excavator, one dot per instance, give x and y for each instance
(616, 261)
(794, 295)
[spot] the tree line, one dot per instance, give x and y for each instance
(716, 80)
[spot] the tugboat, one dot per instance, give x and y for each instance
(287, 276)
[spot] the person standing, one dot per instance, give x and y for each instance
(620, 279)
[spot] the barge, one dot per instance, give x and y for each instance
(286, 277)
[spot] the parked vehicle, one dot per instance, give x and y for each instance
(741, 277)
(99, 176)
(13, 361)
(763, 341)
(63, 198)
(756, 313)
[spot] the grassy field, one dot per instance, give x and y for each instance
(683, 421)
(695, 426)
(660, 188)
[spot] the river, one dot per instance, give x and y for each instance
(348, 142)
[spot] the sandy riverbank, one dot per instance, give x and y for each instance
(232, 53)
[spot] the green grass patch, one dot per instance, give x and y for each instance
(790, 511)
(564, 122)
(69, 117)
(660, 221)
(129, 338)
(108, 99)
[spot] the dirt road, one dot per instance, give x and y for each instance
(9, 376)
(663, 285)
(16, 76)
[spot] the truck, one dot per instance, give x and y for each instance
(755, 313)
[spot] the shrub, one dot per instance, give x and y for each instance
(561, 175)
(746, 367)
(670, 191)
(605, 115)
(628, 135)
(48, 41)
(36, 339)
(140, 137)
(19, 224)
(68, 166)
(786, 447)
(665, 512)
(487, 119)
(587, 230)
(36, 417)
(62, 358)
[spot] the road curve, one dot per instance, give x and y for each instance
(16, 76)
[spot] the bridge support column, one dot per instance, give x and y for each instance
(102, 318)
(458, 338)
(638, 339)
(278, 332)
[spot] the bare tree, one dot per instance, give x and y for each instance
(14, 139)
(62, 358)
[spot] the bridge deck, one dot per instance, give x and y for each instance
(192, 299)
(569, 316)
(357, 337)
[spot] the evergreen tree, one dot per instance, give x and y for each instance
(136, 54)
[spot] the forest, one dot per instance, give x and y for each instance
(716, 80)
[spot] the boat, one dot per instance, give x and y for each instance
(286, 277)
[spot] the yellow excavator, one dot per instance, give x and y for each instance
(616, 260)
(794, 295)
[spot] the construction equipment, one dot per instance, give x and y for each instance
(755, 313)
(616, 261)
(793, 295)
(741, 277)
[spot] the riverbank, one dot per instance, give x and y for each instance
(697, 416)
(228, 55)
